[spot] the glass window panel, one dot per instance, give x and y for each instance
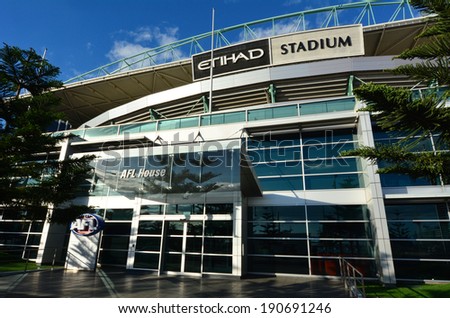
(337, 212)
(339, 181)
(152, 209)
(221, 208)
(193, 263)
(117, 228)
(30, 253)
(146, 260)
(175, 228)
(79, 133)
(116, 258)
(184, 209)
(217, 264)
(340, 105)
(401, 180)
(14, 226)
(233, 117)
(218, 246)
(137, 128)
(274, 140)
(115, 242)
(276, 213)
(150, 227)
(186, 173)
(331, 267)
(285, 111)
(12, 239)
(219, 228)
(220, 171)
(420, 249)
(416, 212)
(100, 132)
(195, 228)
(37, 226)
(174, 244)
(193, 245)
(345, 248)
(272, 112)
(332, 165)
(275, 154)
(168, 124)
(226, 118)
(278, 247)
(278, 168)
(276, 229)
(422, 270)
(33, 239)
(313, 108)
(326, 150)
(172, 262)
(189, 122)
(285, 183)
(414, 143)
(339, 230)
(119, 214)
(419, 230)
(278, 265)
(329, 136)
(148, 243)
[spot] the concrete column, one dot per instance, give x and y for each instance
(237, 235)
(375, 202)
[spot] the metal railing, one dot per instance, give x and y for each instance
(353, 279)
(367, 12)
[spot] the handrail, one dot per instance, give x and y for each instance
(353, 279)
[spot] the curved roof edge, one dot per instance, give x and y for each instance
(320, 68)
(368, 13)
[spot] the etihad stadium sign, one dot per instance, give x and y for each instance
(299, 47)
(323, 44)
(231, 58)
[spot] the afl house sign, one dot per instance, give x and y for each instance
(87, 224)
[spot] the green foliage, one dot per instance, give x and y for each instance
(409, 291)
(31, 174)
(399, 110)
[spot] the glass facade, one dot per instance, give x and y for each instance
(309, 239)
(115, 237)
(306, 160)
(420, 240)
(184, 208)
(201, 241)
(20, 233)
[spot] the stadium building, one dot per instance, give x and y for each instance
(238, 171)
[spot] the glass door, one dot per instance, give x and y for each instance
(182, 251)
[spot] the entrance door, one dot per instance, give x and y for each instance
(182, 246)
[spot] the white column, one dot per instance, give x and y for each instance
(375, 202)
(237, 235)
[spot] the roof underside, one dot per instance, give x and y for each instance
(83, 101)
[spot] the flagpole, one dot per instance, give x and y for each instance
(211, 64)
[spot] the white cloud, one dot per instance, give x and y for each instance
(123, 49)
(141, 40)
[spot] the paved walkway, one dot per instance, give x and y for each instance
(115, 283)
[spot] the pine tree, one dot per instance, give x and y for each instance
(400, 110)
(31, 176)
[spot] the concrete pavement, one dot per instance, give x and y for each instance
(134, 284)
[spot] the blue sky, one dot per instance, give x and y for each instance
(81, 35)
